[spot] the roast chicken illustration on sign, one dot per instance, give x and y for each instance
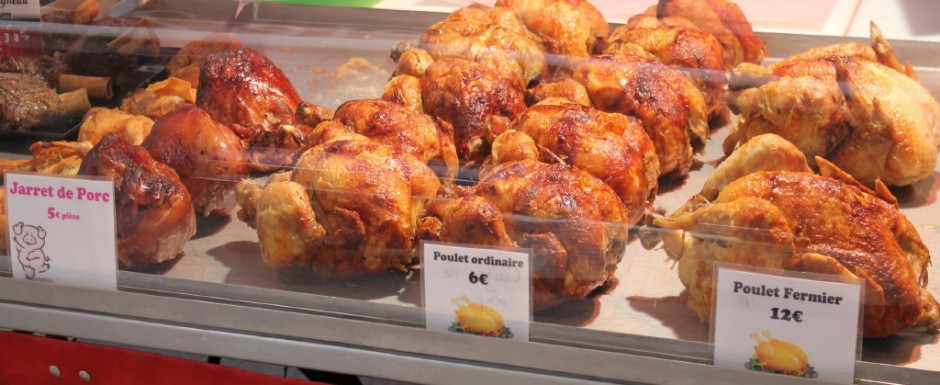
(781, 357)
(29, 241)
(474, 318)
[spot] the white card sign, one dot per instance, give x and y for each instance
(474, 290)
(19, 10)
(62, 229)
(787, 325)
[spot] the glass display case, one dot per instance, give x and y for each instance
(321, 268)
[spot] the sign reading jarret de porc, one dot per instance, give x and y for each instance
(804, 326)
(476, 290)
(62, 229)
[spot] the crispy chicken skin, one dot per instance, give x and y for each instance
(351, 207)
(99, 121)
(821, 223)
(59, 157)
(467, 98)
(851, 104)
(154, 212)
(400, 127)
(494, 37)
(244, 90)
(723, 19)
(569, 29)
(696, 53)
(159, 98)
(208, 157)
(671, 108)
(612, 147)
(574, 223)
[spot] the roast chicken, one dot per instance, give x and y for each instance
(696, 53)
(671, 108)
(397, 126)
(851, 104)
(244, 90)
(468, 98)
(724, 20)
(154, 212)
(350, 207)
(569, 30)
(793, 219)
(493, 37)
(574, 223)
(612, 147)
(208, 157)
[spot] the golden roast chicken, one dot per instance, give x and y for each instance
(763, 207)
(574, 223)
(852, 104)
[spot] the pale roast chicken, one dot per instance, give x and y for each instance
(208, 157)
(574, 223)
(851, 104)
(244, 90)
(671, 108)
(721, 18)
(468, 98)
(696, 53)
(569, 30)
(797, 220)
(351, 207)
(494, 37)
(612, 147)
(154, 212)
(397, 126)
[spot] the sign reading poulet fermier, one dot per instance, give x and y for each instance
(62, 229)
(477, 290)
(796, 324)
(20, 39)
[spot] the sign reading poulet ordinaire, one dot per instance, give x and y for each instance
(477, 290)
(797, 325)
(62, 229)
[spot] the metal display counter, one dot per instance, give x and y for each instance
(220, 299)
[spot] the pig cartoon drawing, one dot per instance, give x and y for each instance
(29, 243)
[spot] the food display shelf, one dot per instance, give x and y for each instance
(220, 299)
